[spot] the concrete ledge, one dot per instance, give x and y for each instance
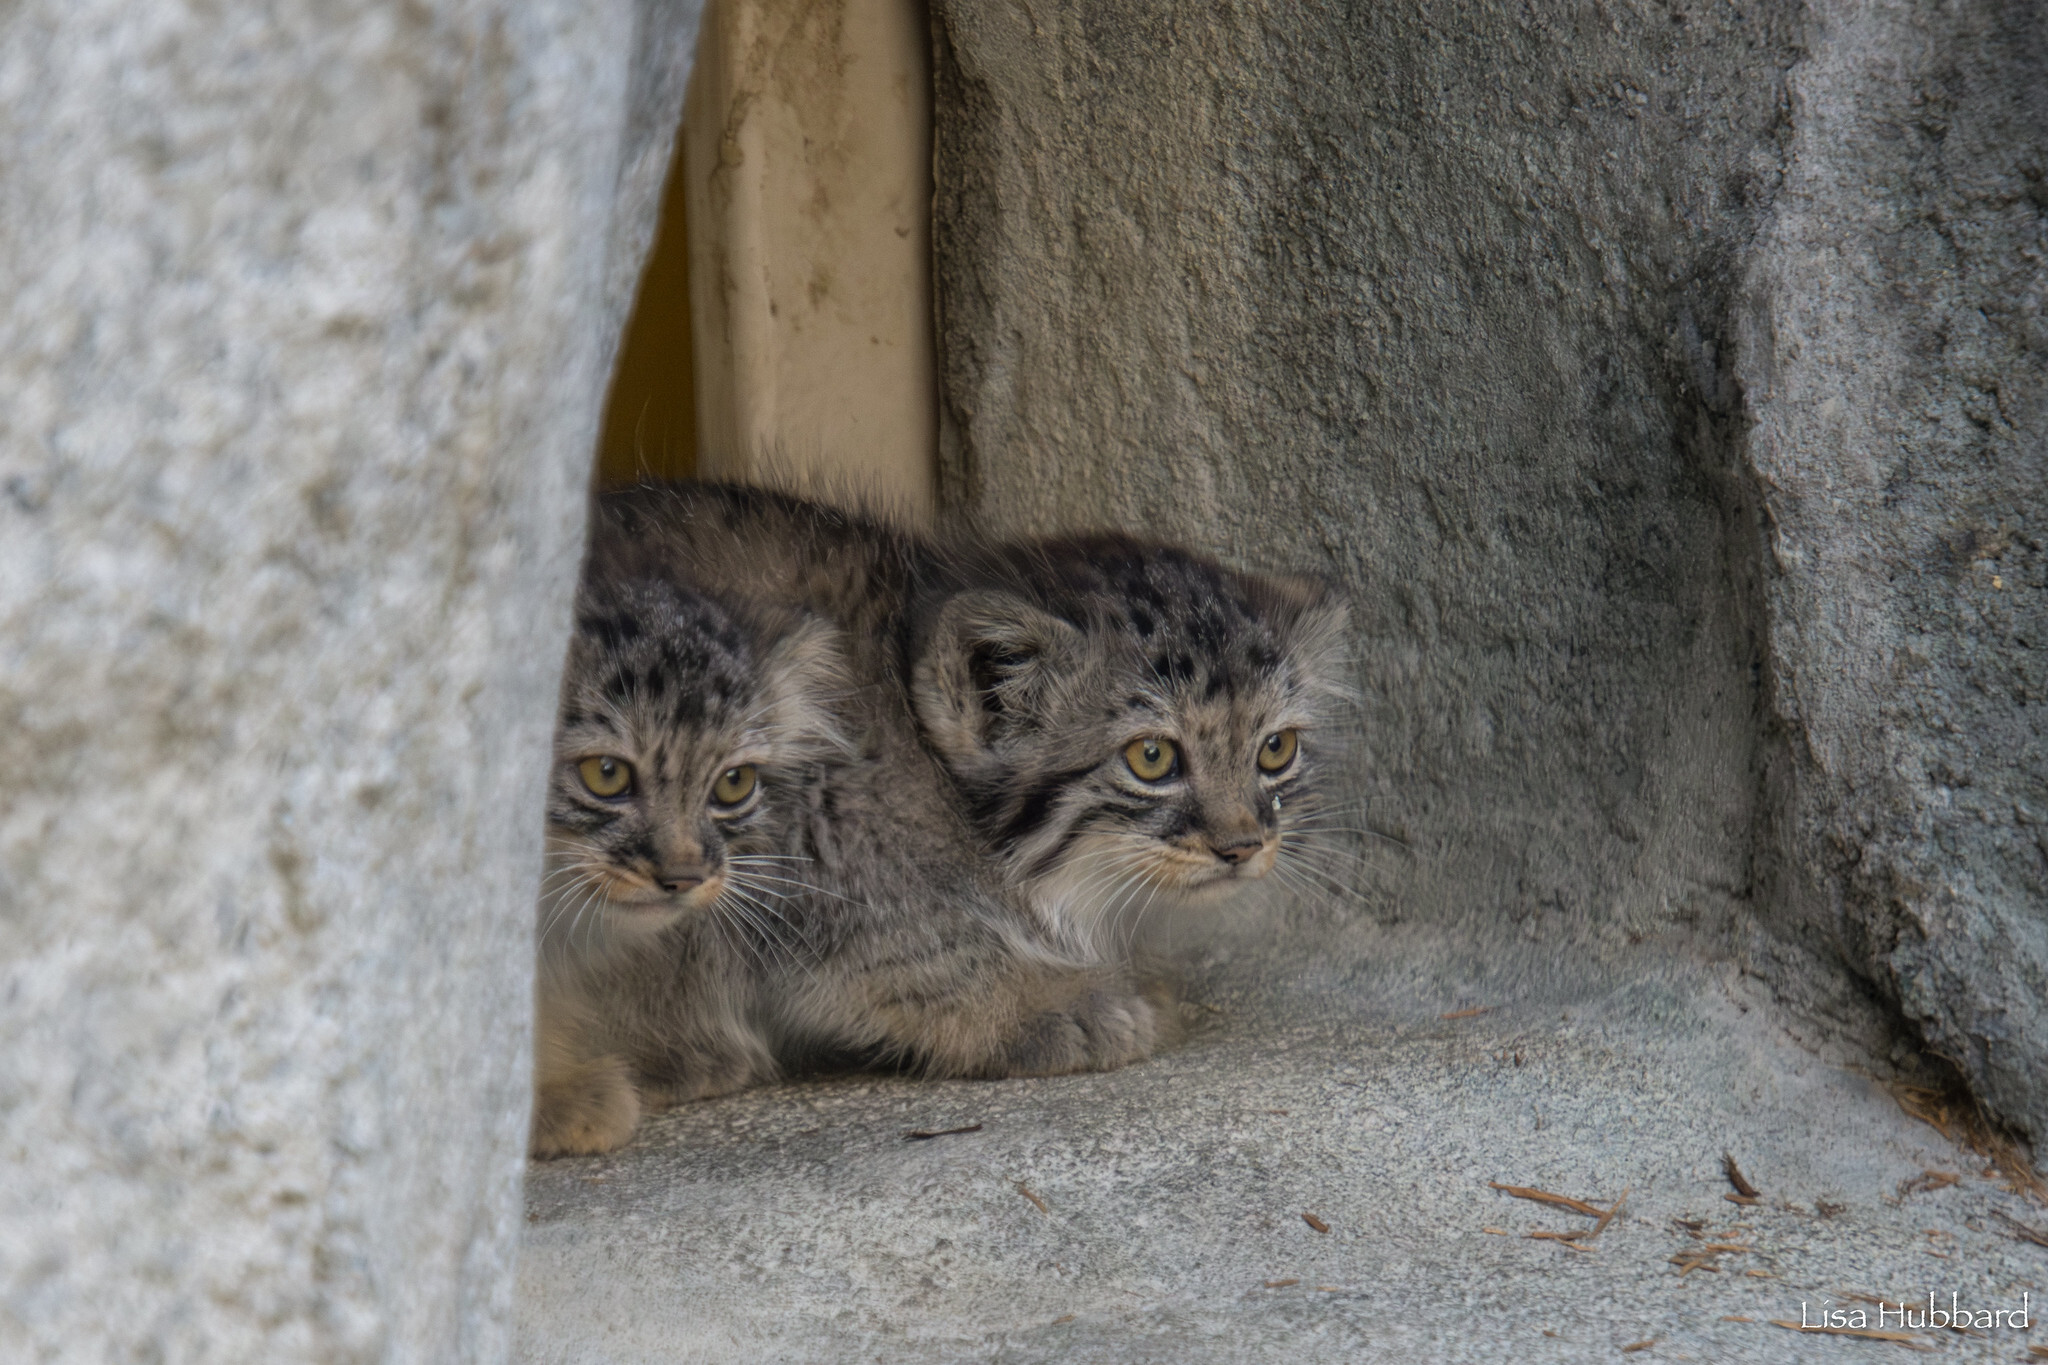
(797, 1223)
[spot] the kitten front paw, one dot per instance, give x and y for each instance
(591, 1108)
(1099, 1030)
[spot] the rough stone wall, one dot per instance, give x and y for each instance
(309, 310)
(1470, 304)
(1894, 359)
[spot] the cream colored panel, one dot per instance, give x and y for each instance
(809, 191)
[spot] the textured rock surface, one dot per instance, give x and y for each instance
(308, 313)
(1894, 358)
(1477, 306)
(796, 1224)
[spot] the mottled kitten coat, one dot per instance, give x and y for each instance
(687, 748)
(893, 938)
(1130, 723)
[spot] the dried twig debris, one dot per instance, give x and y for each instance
(1737, 1179)
(1318, 1224)
(1025, 1190)
(1577, 1238)
(1563, 1201)
(2030, 1234)
(1928, 1180)
(1911, 1343)
(1956, 1115)
(1706, 1256)
(927, 1134)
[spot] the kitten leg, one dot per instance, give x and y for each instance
(984, 1006)
(584, 1101)
(708, 1074)
(584, 1108)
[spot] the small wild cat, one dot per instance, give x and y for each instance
(1131, 723)
(760, 895)
(687, 745)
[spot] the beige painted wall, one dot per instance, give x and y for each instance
(808, 184)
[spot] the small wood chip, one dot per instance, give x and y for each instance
(1736, 1317)
(1281, 1112)
(1867, 1333)
(1563, 1201)
(1318, 1224)
(1068, 1318)
(1735, 1176)
(927, 1134)
(1608, 1216)
(1760, 1274)
(1727, 1246)
(1498, 1232)
(1928, 1180)
(1645, 1344)
(1472, 1013)
(1280, 1284)
(1743, 1199)
(1563, 1239)
(2038, 1352)
(1329, 1289)
(2034, 1235)
(1025, 1190)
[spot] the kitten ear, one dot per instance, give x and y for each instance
(1314, 617)
(805, 674)
(988, 661)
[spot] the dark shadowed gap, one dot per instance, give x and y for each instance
(650, 414)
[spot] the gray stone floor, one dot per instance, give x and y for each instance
(798, 1223)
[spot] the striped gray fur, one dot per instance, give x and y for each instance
(884, 933)
(1043, 673)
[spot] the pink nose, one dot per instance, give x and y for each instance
(675, 883)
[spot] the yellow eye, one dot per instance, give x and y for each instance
(734, 785)
(1152, 760)
(1276, 751)
(605, 776)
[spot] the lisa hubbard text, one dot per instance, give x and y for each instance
(1898, 1315)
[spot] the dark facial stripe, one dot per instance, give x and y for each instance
(1030, 813)
(1078, 826)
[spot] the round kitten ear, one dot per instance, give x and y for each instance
(986, 662)
(803, 675)
(1314, 616)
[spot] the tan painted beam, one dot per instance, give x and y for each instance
(808, 183)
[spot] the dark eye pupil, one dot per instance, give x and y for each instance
(1151, 753)
(732, 777)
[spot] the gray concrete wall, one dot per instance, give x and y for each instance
(1892, 355)
(1664, 380)
(309, 311)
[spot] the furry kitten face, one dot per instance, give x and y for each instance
(1130, 720)
(682, 747)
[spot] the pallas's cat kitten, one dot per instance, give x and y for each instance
(686, 748)
(841, 906)
(1131, 724)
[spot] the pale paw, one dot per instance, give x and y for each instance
(1100, 1030)
(591, 1108)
